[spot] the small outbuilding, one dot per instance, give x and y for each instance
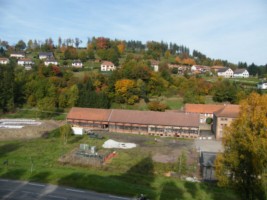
(207, 163)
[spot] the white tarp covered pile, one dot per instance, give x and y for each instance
(111, 144)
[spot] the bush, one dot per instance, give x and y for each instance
(157, 106)
(209, 120)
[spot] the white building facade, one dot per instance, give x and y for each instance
(241, 73)
(225, 72)
(107, 66)
(4, 61)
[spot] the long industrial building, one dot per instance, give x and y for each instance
(172, 124)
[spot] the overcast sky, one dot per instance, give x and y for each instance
(233, 30)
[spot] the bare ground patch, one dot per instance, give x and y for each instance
(163, 150)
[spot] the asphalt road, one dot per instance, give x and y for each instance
(15, 190)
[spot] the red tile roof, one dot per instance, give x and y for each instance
(25, 59)
(154, 62)
(217, 67)
(135, 117)
(90, 114)
(202, 108)
(108, 63)
(155, 118)
(230, 111)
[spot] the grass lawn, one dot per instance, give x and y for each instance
(173, 103)
(138, 106)
(130, 173)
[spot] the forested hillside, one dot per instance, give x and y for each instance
(55, 88)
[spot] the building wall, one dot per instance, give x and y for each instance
(16, 56)
(155, 130)
(77, 65)
(218, 125)
(208, 173)
(22, 63)
(262, 86)
(243, 75)
(229, 73)
(108, 67)
(155, 68)
(4, 62)
(48, 63)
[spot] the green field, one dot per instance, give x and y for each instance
(173, 103)
(132, 172)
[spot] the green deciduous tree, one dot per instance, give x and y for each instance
(65, 132)
(182, 164)
(88, 97)
(7, 91)
(243, 165)
(20, 45)
(225, 91)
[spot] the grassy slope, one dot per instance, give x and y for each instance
(36, 160)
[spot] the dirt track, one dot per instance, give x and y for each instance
(30, 131)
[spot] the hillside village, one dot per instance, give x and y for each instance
(48, 58)
(156, 90)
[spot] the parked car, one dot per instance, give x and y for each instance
(94, 135)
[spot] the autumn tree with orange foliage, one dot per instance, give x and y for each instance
(102, 43)
(121, 47)
(178, 60)
(126, 91)
(243, 165)
(189, 61)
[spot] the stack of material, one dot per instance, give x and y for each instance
(111, 144)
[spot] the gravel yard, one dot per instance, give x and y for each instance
(162, 149)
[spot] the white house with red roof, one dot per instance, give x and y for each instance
(107, 66)
(155, 65)
(25, 61)
(4, 61)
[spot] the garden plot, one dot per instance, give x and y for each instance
(30, 129)
(17, 123)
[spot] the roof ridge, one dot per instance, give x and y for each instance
(110, 114)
